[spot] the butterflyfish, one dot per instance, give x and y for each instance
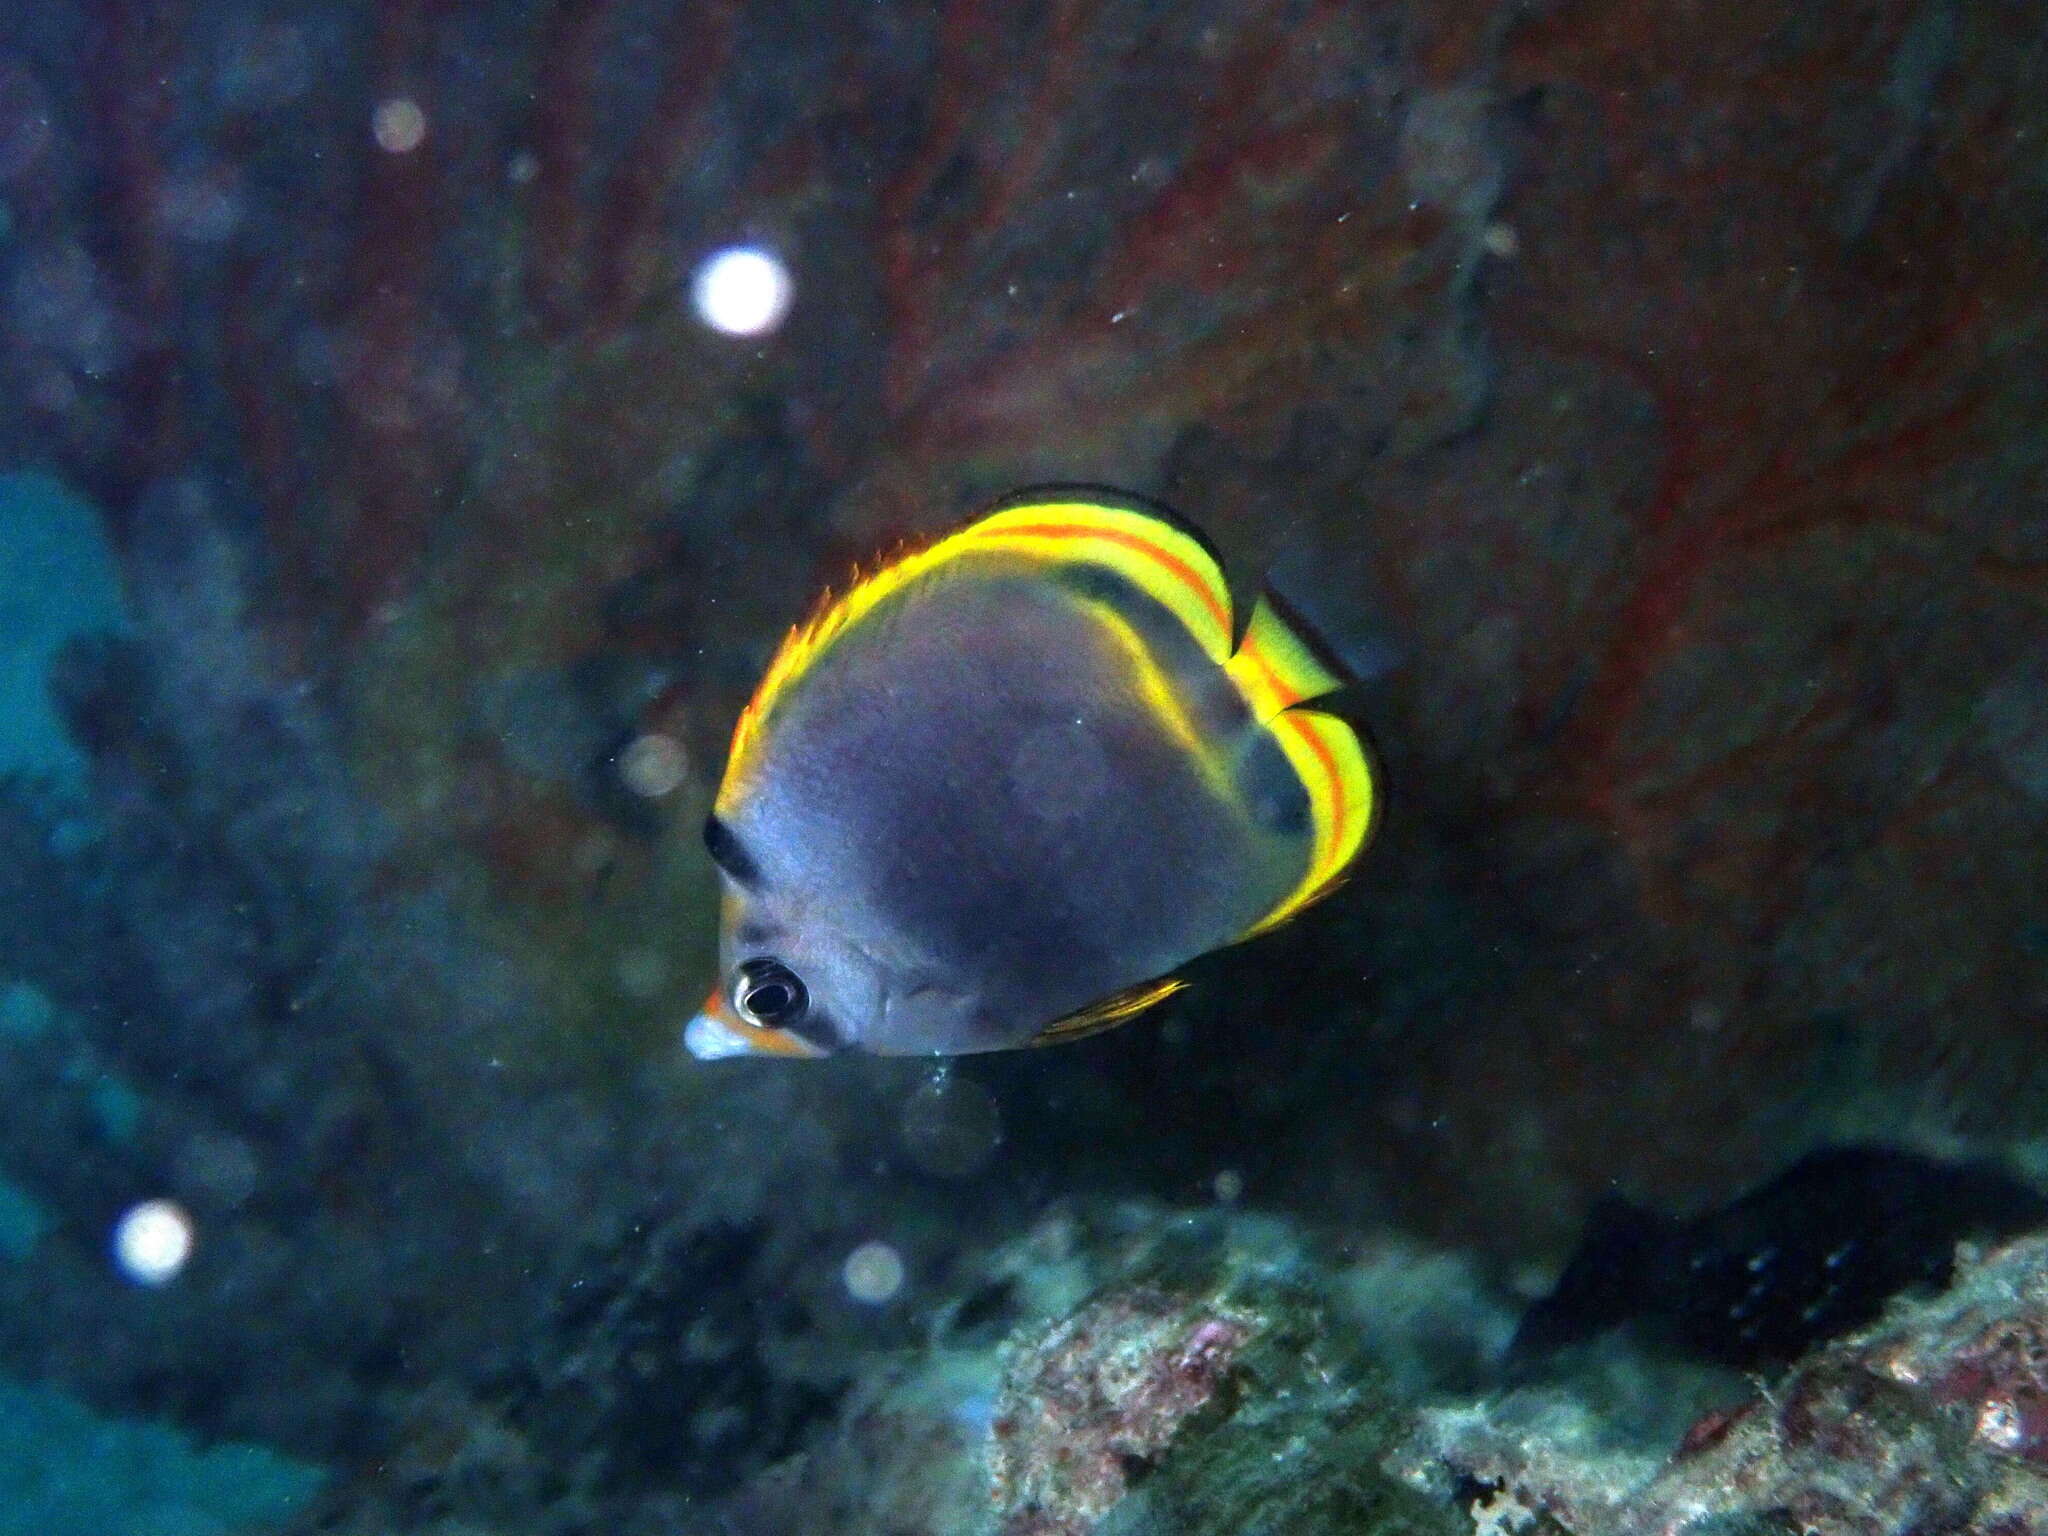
(1001, 789)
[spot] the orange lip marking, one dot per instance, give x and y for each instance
(773, 1042)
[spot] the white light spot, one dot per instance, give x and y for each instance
(153, 1241)
(653, 765)
(399, 125)
(742, 291)
(1999, 1424)
(873, 1273)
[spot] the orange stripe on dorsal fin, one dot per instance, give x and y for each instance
(1274, 667)
(1144, 547)
(1343, 799)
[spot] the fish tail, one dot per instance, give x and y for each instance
(1278, 666)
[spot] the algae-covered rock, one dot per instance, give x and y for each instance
(1297, 1452)
(1933, 1419)
(1091, 1404)
(1125, 1372)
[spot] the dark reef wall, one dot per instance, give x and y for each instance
(1663, 384)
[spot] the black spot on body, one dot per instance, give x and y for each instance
(1272, 790)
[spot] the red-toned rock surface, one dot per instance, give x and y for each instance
(1098, 1397)
(1929, 1421)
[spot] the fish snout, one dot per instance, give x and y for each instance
(717, 1032)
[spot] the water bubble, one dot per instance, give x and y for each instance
(25, 131)
(1449, 151)
(742, 291)
(57, 301)
(218, 1170)
(152, 1241)
(2013, 716)
(654, 765)
(593, 854)
(1060, 770)
(873, 1273)
(399, 125)
(203, 206)
(951, 1127)
(263, 64)
(641, 972)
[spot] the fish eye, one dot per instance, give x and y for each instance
(768, 993)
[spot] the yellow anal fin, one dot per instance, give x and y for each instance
(1117, 1008)
(1274, 668)
(1343, 802)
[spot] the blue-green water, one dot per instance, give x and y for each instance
(420, 426)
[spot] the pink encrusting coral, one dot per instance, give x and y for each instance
(1090, 1403)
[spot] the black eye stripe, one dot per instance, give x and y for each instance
(728, 853)
(817, 1027)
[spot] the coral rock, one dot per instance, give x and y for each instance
(1093, 1402)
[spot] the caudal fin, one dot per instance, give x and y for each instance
(1277, 667)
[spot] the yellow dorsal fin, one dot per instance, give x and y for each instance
(1154, 554)
(1117, 1008)
(1274, 668)
(1333, 767)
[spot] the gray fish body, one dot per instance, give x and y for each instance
(972, 795)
